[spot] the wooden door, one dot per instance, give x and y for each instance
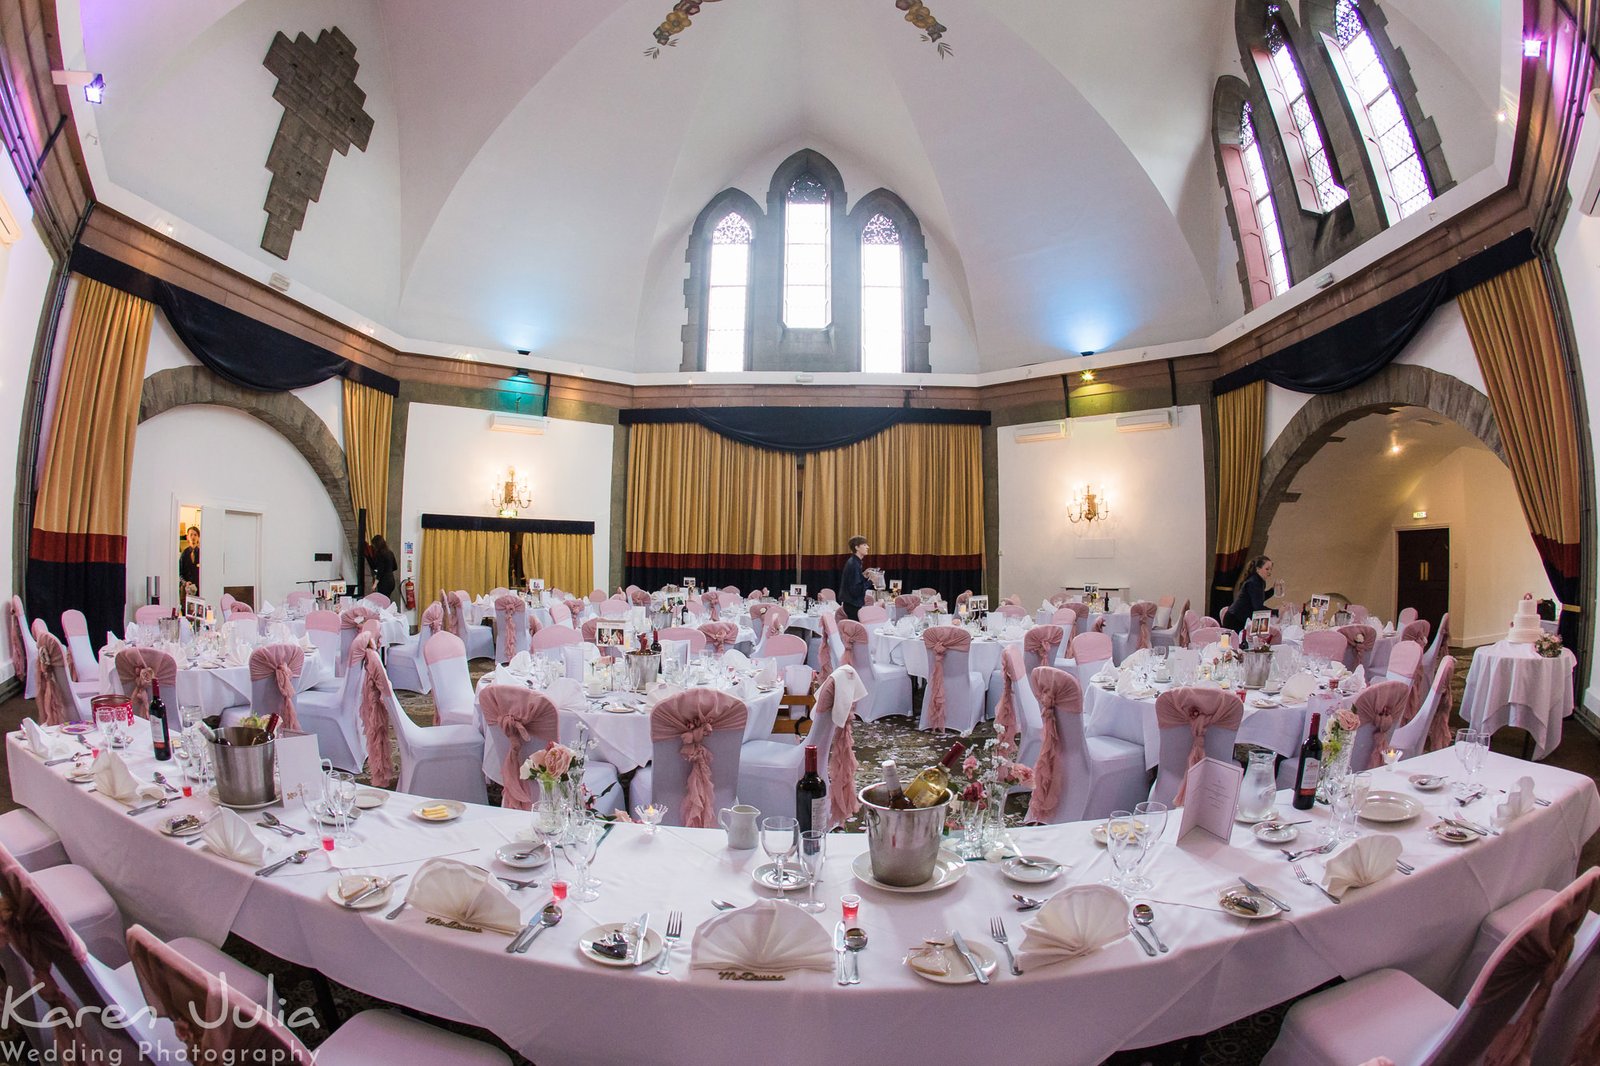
(1422, 578)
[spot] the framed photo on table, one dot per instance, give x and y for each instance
(1260, 626)
(977, 604)
(611, 633)
(1317, 606)
(195, 609)
(797, 592)
(536, 584)
(689, 583)
(336, 589)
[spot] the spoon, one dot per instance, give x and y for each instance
(855, 939)
(723, 905)
(282, 826)
(1027, 903)
(547, 917)
(1145, 916)
(157, 805)
(296, 857)
(1023, 860)
(162, 781)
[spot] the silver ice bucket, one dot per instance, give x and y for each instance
(643, 669)
(1257, 666)
(904, 845)
(246, 773)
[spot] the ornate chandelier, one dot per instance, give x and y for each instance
(508, 495)
(1088, 506)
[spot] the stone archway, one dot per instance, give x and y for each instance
(1397, 385)
(283, 411)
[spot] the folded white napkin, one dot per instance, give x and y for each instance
(735, 659)
(765, 937)
(114, 780)
(767, 674)
(1074, 922)
(1298, 687)
(567, 694)
(1388, 629)
(266, 608)
(231, 837)
(463, 893)
(1363, 862)
(47, 747)
(1129, 686)
(1355, 682)
(1163, 618)
(1519, 801)
(521, 663)
(1136, 659)
(848, 688)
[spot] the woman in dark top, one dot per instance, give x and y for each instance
(383, 566)
(852, 582)
(1252, 595)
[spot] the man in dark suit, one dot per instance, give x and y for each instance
(852, 580)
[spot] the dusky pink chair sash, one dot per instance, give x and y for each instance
(776, 621)
(1199, 709)
(447, 611)
(31, 926)
(939, 640)
(1415, 631)
(507, 607)
(853, 635)
(588, 629)
(375, 719)
(1142, 614)
(357, 616)
(1011, 601)
(522, 715)
(1057, 691)
(19, 654)
(711, 598)
(639, 598)
(827, 596)
(830, 628)
(1080, 612)
(1005, 711)
(50, 665)
(1361, 638)
(433, 618)
(1182, 637)
(1330, 644)
(842, 799)
(1439, 735)
(283, 663)
(1383, 705)
(720, 636)
(1061, 599)
(963, 597)
(691, 716)
(357, 653)
(1065, 617)
(1099, 624)
(138, 668)
(1090, 647)
(906, 602)
(1043, 642)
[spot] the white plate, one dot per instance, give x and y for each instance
(1098, 831)
(1031, 875)
(372, 902)
(211, 794)
(1268, 909)
(1265, 702)
(766, 875)
(165, 823)
(1389, 807)
(959, 972)
(947, 870)
(1427, 782)
(652, 946)
(1271, 814)
(1452, 834)
(368, 798)
(540, 856)
(80, 773)
(456, 808)
(1267, 834)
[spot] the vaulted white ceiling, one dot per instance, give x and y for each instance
(532, 177)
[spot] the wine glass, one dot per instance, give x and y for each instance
(583, 839)
(779, 838)
(813, 849)
(340, 794)
(1152, 815)
(1470, 746)
(1353, 796)
(1121, 836)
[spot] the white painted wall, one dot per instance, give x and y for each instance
(1157, 530)
(221, 458)
(451, 456)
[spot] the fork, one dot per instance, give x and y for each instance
(1300, 875)
(1320, 849)
(1404, 867)
(997, 933)
(669, 939)
(516, 886)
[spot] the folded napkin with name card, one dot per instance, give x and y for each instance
(1298, 687)
(1072, 923)
(231, 837)
(1363, 862)
(521, 663)
(1519, 801)
(766, 937)
(43, 744)
(1355, 682)
(459, 892)
(115, 781)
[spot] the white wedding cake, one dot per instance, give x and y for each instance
(1525, 624)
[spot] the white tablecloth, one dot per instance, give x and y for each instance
(911, 653)
(214, 689)
(1511, 684)
(1283, 729)
(1220, 968)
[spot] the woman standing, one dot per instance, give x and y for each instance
(1252, 596)
(852, 580)
(383, 565)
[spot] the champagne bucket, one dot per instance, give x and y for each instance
(245, 772)
(1257, 665)
(643, 669)
(904, 845)
(169, 629)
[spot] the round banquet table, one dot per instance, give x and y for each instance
(1079, 1011)
(1511, 684)
(1281, 728)
(911, 653)
(211, 689)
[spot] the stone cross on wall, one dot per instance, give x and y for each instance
(322, 112)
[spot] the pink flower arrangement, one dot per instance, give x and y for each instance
(553, 763)
(969, 765)
(1347, 720)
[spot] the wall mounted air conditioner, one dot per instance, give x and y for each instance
(1143, 420)
(1586, 159)
(532, 425)
(1041, 431)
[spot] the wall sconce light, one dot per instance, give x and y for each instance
(1532, 47)
(509, 494)
(1086, 377)
(1088, 506)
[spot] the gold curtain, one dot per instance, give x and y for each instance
(470, 559)
(77, 554)
(1241, 417)
(1513, 328)
(367, 417)
(564, 560)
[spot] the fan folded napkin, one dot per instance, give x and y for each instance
(567, 694)
(765, 937)
(1136, 659)
(114, 780)
(735, 659)
(1298, 687)
(463, 893)
(266, 608)
(767, 675)
(1129, 686)
(48, 747)
(1355, 682)
(521, 663)
(231, 837)
(1388, 629)
(114, 645)
(1072, 923)
(1519, 801)
(1364, 862)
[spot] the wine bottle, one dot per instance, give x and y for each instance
(811, 795)
(932, 784)
(158, 724)
(1310, 771)
(896, 800)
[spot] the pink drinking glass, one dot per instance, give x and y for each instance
(850, 908)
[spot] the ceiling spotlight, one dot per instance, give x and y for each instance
(95, 91)
(1086, 353)
(524, 351)
(1086, 376)
(1532, 48)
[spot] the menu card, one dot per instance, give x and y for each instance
(299, 762)
(1210, 797)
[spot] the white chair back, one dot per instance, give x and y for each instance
(1173, 763)
(670, 771)
(323, 629)
(452, 684)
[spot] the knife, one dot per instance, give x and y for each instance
(1473, 826)
(643, 926)
(965, 952)
(511, 948)
(1149, 949)
(1264, 894)
(838, 954)
(374, 889)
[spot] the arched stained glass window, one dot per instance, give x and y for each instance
(1297, 120)
(807, 281)
(1265, 207)
(726, 296)
(882, 297)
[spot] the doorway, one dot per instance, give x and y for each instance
(1422, 572)
(241, 556)
(187, 552)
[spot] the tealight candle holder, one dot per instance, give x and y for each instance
(650, 817)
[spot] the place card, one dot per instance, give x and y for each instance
(1210, 797)
(299, 762)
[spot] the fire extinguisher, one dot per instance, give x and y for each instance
(408, 592)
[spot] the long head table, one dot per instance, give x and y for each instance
(554, 1006)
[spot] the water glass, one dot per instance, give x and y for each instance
(583, 839)
(779, 838)
(1471, 746)
(1151, 815)
(813, 850)
(339, 794)
(1124, 844)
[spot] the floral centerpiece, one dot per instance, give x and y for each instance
(1342, 726)
(981, 801)
(1548, 646)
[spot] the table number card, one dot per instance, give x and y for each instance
(1210, 797)
(299, 762)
